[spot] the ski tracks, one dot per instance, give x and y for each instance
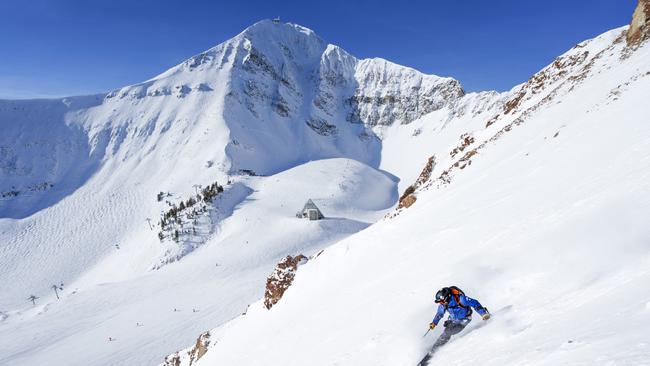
(84, 226)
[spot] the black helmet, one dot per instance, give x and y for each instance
(443, 295)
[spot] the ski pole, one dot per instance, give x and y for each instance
(425, 334)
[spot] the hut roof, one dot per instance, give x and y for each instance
(310, 205)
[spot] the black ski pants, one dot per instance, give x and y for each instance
(451, 328)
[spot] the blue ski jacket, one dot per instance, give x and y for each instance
(458, 313)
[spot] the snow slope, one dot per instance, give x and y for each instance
(31, 161)
(218, 281)
(548, 228)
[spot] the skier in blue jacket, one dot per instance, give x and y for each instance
(459, 306)
(453, 300)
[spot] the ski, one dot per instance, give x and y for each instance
(425, 360)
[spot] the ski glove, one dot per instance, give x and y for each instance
(432, 326)
(486, 316)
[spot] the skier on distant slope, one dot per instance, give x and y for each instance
(453, 300)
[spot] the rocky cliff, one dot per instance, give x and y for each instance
(640, 26)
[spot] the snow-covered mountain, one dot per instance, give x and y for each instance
(274, 115)
(504, 194)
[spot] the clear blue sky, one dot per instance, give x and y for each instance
(68, 47)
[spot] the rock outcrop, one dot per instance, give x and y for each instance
(200, 348)
(281, 278)
(191, 356)
(408, 198)
(640, 27)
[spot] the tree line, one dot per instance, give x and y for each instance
(183, 218)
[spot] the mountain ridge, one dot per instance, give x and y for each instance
(334, 100)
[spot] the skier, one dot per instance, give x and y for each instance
(453, 300)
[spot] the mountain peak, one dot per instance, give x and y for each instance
(272, 26)
(270, 37)
(266, 30)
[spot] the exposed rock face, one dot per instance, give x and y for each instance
(173, 360)
(407, 201)
(409, 198)
(640, 27)
(465, 141)
(388, 93)
(281, 278)
(321, 127)
(200, 348)
(191, 356)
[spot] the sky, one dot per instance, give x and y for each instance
(53, 48)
